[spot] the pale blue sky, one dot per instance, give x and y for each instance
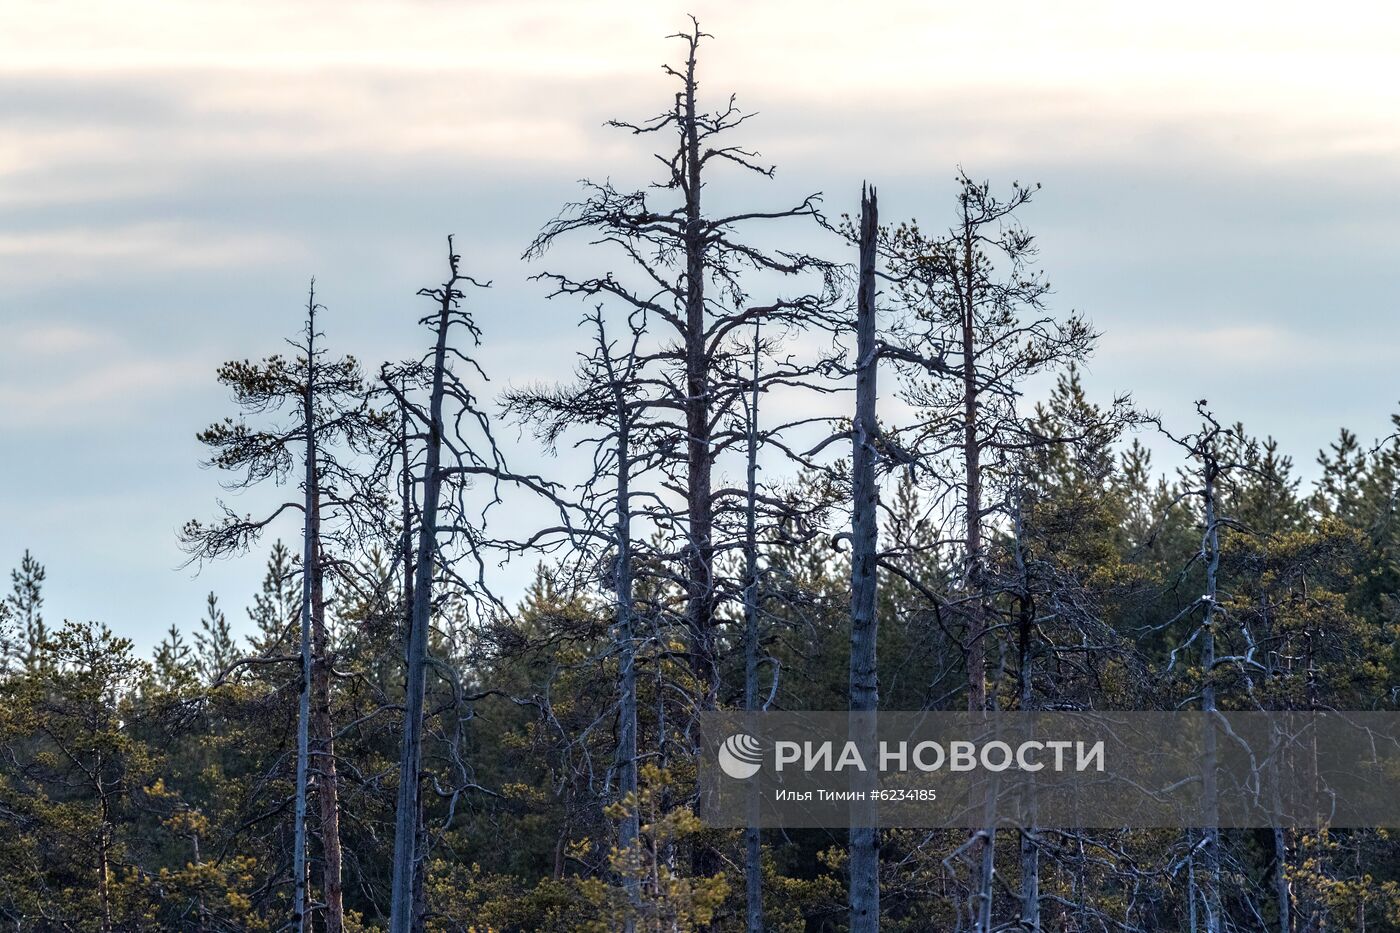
(1220, 198)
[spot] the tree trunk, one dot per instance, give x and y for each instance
(753, 845)
(972, 482)
(202, 911)
(323, 734)
(700, 544)
(1208, 705)
(104, 867)
(1283, 896)
(864, 683)
(1278, 836)
(300, 907)
(629, 833)
(406, 537)
(420, 880)
(420, 898)
(1030, 880)
(406, 854)
(1030, 843)
(975, 572)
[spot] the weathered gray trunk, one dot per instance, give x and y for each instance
(1030, 843)
(1211, 546)
(1191, 922)
(1283, 896)
(406, 536)
(420, 888)
(629, 833)
(406, 543)
(1030, 879)
(864, 684)
(300, 906)
(753, 846)
(406, 865)
(699, 507)
(986, 875)
(323, 740)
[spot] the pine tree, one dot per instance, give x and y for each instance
(174, 662)
(275, 610)
(215, 648)
(24, 617)
(332, 422)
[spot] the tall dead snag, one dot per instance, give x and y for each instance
(1025, 691)
(865, 496)
(767, 518)
(624, 413)
(334, 422)
(322, 746)
(460, 475)
(1207, 450)
(613, 402)
(1210, 555)
(687, 269)
(872, 450)
(753, 839)
(310, 564)
(441, 384)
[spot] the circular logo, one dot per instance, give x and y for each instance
(741, 756)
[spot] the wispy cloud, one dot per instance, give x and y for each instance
(81, 252)
(1248, 347)
(65, 375)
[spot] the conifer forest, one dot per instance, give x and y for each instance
(811, 454)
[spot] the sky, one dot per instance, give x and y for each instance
(1221, 197)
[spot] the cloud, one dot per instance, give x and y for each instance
(67, 376)
(502, 83)
(52, 340)
(81, 252)
(1249, 345)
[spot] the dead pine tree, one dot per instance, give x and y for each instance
(864, 683)
(459, 477)
(1025, 675)
(310, 565)
(873, 450)
(401, 450)
(432, 374)
(619, 408)
(610, 410)
(753, 597)
(686, 267)
(1212, 464)
(766, 518)
(333, 424)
